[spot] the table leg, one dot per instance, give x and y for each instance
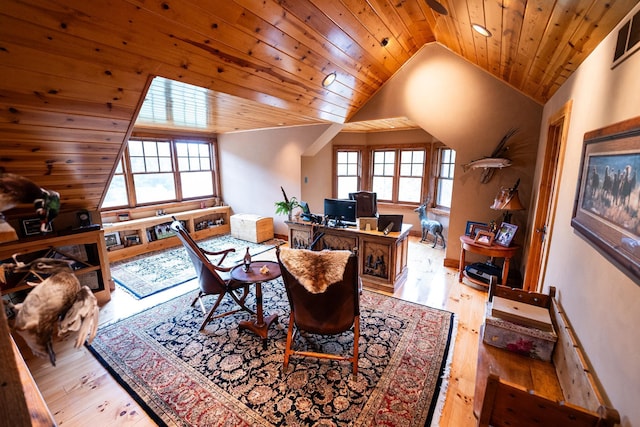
(505, 271)
(260, 326)
(461, 266)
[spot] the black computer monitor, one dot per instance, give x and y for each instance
(340, 210)
(366, 203)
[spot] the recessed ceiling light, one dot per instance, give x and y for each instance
(481, 30)
(437, 7)
(330, 78)
(384, 41)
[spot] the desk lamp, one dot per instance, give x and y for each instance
(507, 200)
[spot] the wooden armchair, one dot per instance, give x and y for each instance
(314, 310)
(212, 278)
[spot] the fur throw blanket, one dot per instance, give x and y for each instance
(315, 270)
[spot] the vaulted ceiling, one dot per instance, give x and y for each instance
(73, 72)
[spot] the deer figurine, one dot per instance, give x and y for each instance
(429, 225)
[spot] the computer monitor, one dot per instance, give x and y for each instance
(340, 210)
(306, 212)
(366, 203)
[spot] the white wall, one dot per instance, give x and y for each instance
(253, 166)
(469, 110)
(599, 299)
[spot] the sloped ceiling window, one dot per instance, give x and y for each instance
(173, 103)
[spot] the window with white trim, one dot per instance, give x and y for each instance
(347, 172)
(398, 174)
(444, 177)
(162, 170)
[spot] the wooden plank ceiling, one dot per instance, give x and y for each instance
(73, 72)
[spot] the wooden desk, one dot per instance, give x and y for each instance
(495, 251)
(382, 259)
(260, 326)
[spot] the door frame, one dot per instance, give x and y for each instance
(545, 211)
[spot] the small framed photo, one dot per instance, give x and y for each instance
(475, 228)
(31, 227)
(131, 240)
(124, 216)
(484, 237)
(505, 234)
(471, 224)
(112, 239)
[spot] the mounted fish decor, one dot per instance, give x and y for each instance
(494, 161)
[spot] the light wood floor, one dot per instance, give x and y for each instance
(80, 392)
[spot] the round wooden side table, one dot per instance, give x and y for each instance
(495, 251)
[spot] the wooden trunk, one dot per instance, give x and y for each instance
(253, 228)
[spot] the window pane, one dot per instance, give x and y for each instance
(343, 156)
(165, 164)
(183, 163)
(409, 190)
(405, 169)
(196, 184)
(117, 193)
(135, 148)
(341, 169)
(150, 148)
(151, 164)
(383, 186)
(164, 149)
(346, 185)
(182, 149)
(154, 187)
(445, 190)
(137, 164)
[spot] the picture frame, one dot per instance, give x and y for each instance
(471, 224)
(112, 239)
(484, 237)
(31, 227)
(608, 218)
(475, 228)
(505, 234)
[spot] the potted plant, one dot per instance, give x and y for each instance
(286, 206)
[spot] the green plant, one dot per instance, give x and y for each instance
(286, 206)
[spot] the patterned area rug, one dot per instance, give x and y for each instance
(224, 377)
(148, 274)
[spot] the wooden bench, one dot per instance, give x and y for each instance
(512, 389)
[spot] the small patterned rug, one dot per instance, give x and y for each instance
(148, 274)
(223, 376)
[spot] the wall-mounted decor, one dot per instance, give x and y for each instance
(606, 209)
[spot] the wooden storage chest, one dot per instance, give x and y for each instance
(253, 228)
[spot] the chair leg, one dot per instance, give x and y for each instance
(287, 349)
(198, 298)
(240, 301)
(356, 337)
(211, 311)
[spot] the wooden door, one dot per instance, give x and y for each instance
(547, 199)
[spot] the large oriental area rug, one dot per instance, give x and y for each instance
(223, 376)
(148, 274)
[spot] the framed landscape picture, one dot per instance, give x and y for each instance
(606, 209)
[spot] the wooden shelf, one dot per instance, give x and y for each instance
(91, 242)
(139, 227)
